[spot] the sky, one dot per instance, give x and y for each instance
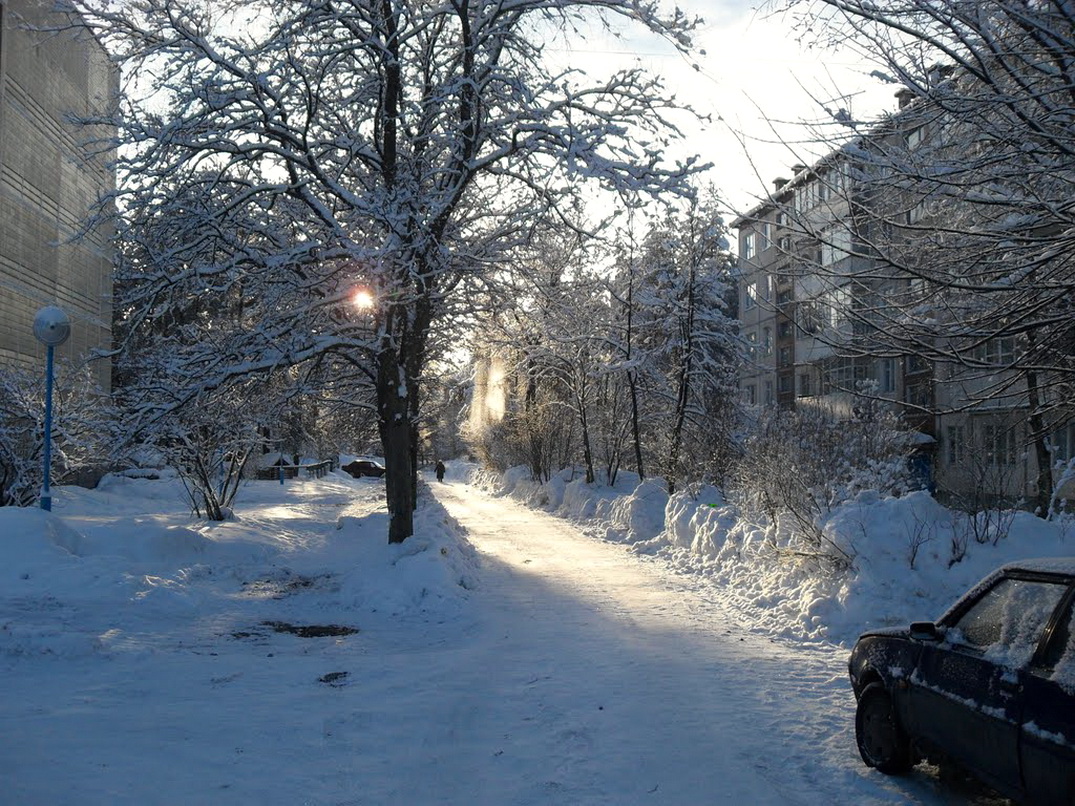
(761, 85)
(531, 646)
(757, 83)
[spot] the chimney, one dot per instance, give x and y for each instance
(779, 182)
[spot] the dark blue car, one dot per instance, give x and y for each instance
(989, 687)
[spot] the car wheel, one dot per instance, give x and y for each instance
(881, 741)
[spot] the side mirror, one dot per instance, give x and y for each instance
(925, 631)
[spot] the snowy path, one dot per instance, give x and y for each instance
(601, 678)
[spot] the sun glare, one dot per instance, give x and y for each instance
(362, 299)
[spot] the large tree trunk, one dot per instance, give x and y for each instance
(399, 372)
(587, 451)
(394, 415)
(636, 431)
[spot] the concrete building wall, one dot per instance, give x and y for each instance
(47, 187)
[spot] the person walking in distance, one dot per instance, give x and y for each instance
(440, 470)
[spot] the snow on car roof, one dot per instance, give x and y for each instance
(1051, 565)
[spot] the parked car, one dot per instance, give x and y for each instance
(364, 467)
(989, 687)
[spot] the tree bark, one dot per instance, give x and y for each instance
(584, 422)
(395, 429)
(683, 390)
(632, 380)
(1036, 424)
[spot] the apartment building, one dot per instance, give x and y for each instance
(47, 186)
(801, 276)
(816, 289)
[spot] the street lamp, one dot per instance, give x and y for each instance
(51, 327)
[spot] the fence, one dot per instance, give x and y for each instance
(312, 471)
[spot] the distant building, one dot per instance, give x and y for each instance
(47, 187)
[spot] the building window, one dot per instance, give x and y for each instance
(836, 307)
(844, 375)
(806, 196)
(998, 439)
(783, 358)
(916, 364)
(752, 394)
(784, 296)
(887, 374)
(767, 341)
(750, 245)
(955, 444)
(835, 180)
(1062, 442)
(750, 296)
(836, 245)
(806, 386)
(784, 383)
(752, 345)
(783, 328)
(783, 243)
(999, 352)
(809, 317)
(914, 137)
(769, 393)
(919, 395)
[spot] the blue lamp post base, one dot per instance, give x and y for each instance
(46, 495)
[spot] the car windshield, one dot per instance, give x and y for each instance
(1007, 622)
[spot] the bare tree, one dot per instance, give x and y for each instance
(397, 145)
(550, 326)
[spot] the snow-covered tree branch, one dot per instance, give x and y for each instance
(278, 155)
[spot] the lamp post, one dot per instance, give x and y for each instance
(51, 327)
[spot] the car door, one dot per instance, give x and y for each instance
(964, 696)
(1047, 730)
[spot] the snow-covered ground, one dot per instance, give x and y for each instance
(500, 656)
(900, 551)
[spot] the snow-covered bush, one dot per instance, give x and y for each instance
(80, 430)
(208, 441)
(799, 465)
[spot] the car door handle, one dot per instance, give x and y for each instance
(1009, 689)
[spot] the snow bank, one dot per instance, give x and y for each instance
(907, 558)
(128, 557)
(429, 571)
(34, 540)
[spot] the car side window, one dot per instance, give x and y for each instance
(1007, 622)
